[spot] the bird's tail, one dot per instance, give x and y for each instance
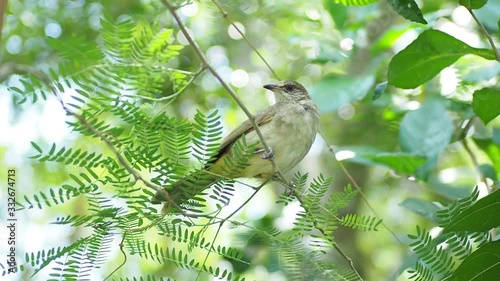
(184, 192)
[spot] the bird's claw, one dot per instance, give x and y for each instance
(290, 188)
(268, 154)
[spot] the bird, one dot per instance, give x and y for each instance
(289, 128)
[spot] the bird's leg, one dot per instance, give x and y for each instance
(290, 188)
(267, 154)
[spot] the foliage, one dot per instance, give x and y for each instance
(438, 256)
(126, 96)
(133, 58)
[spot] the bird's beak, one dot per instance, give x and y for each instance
(271, 87)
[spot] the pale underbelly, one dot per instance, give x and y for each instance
(289, 144)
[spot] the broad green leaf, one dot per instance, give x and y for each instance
(338, 13)
(402, 163)
(355, 2)
(482, 264)
(427, 130)
(408, 9)
(473, 4)
(455, 191)
(486, 104)
(482, 216)
(333, 91)
(425, 57)
(424, 208)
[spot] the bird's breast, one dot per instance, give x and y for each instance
(290, 134)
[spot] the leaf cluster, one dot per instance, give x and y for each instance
(452, 255)
(113, 87)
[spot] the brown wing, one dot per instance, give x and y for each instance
(244, 128)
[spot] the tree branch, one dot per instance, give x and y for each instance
(16, 68)
(171, 97)
(230, 91)
(358, 188)
(320, 229)
(226, 16)
(135, 174)
(485, 32)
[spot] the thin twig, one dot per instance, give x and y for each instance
(226, 16)
(318, 227)
(171, 97)
(465, 130)
(363, 196)
(473, 158)
(7, 69)
(474, 162)
(15, 68)
(224, 220)
(485, 32)
(124, 258)
(123, 162)
(206, 63)
(204, 60)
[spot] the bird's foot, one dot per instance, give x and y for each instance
(268, 154)
(290, 188)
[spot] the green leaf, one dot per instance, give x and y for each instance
(408, 9)
(425, 57)
(427, 130)
(335, 91)
(338, 13)
(379, 90)
(424, 208)
(483, 264)
(402, 163)
(486, 104)
(473, 4)
(453, 191)
(36, 147)
(482, 216)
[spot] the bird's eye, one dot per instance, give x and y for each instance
(289, 87)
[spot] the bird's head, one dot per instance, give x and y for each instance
(288, 90)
